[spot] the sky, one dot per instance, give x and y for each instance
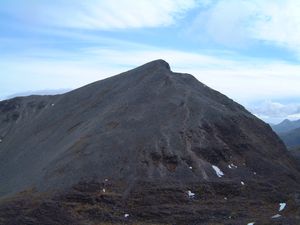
(246, 49)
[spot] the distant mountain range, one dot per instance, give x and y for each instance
(289, 132)
(286, 126)
(37, 92)
(296, 153)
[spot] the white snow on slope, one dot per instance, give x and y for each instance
(276, 216)
(252, 223)
(191, 194)
(218, 171)
(232, 166)
(282, 206)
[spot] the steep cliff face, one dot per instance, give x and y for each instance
(149, 141)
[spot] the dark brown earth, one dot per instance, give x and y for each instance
(165, 203)
(136, 144)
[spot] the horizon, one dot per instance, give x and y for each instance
(248, 50)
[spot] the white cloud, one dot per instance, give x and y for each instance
(274, 109)
(276, 112)
(278, 22)
(295, 116)
(223, 22)
(237, 23)
(104, 14)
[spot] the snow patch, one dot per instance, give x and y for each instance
(282, 206)
(106, 180)
(242, 183)
(0, 140)
(126, 215)
(52, 104)
(190, 167)
(232, 166)
(276, 216)
(191, 194)
(218, 171)
(103, 190)
(252, 223)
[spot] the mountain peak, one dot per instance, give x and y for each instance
(286, 121)
(148, 144)
(159, 63)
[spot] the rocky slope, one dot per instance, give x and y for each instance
(148, 146)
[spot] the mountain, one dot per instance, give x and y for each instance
(291, 138)
(289, 132)
(296, 153)
(148, 146)
(286, 126)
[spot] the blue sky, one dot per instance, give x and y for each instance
(249, 50)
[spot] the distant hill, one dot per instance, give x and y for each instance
(286, 126)
(296, 153)
(289, 132)
(291, 138)
(38, 92)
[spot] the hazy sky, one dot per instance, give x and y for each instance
(249, 50)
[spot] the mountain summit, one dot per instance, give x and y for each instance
(145, 146)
